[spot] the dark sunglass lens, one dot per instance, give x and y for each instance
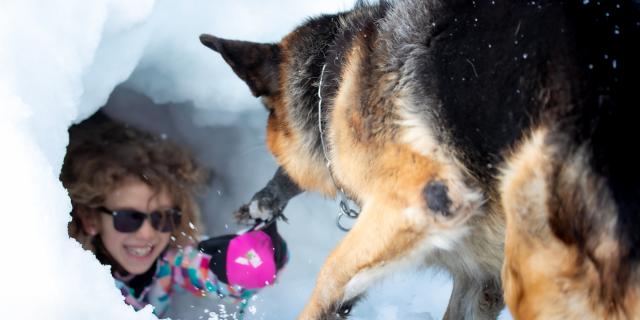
(127, 221)
(176, 215)
(161, 222)
(157, 221)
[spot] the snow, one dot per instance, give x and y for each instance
(60, 61)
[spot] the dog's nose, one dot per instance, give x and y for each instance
(435, 193)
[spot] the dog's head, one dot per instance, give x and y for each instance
(258, 65)
(281, 75)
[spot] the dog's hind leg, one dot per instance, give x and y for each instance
(564, 257)
(474, 299)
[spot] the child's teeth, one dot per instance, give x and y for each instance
(139, 251)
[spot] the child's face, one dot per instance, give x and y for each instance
(135, 251)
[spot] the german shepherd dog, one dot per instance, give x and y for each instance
(487, 138)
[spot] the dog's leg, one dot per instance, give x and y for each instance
(474, 299)
(271, 199)
(381, 234)
(562, 252)
(388, 236)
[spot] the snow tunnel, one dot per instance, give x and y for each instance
(141, 63)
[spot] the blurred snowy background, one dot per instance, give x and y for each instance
(60, 61)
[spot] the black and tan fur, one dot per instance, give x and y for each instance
(446, 120)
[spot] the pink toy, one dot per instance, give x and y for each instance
(250, 261)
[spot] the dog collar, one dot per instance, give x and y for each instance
(346, 206)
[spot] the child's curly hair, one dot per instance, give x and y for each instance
(102, 153)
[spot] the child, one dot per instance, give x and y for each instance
(133, 207)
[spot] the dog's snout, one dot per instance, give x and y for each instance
(437, 197)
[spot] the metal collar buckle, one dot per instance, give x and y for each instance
(346, 206)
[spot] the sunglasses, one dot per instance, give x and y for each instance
(128, 221)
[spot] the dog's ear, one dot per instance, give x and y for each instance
(255, 63)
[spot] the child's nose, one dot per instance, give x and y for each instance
(146, 231)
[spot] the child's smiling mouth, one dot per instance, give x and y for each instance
(139, 251)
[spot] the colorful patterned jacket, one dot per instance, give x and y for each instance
(192, 269)
(182, 270)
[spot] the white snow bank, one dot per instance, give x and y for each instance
(60, 61)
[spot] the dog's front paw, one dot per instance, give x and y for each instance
(271, 200)
(262, 206)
